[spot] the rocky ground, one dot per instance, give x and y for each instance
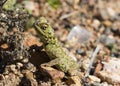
(82, 27)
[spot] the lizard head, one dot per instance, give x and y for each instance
(44, 29)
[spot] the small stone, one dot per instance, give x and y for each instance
(115, 25)
(102, 29)
(20, 74)
(96, 23)
(79, 51)
(107, 23)
(111, 12)
(25, 60)
(3, 15)
(30, 78)
(45, 84)
(107, 31)
(32, 7)
(94, 79)
(103, 14)
(88, 21)
(85, 64)
(29, 5)
(1, 77)
(74, 81)
(76, 4)
(105, 84)
(107, 40)
(4, 46)
(19, 65)
(21, 57)
(108, 13)
(98, 66)
(53, 73)
(31, 67)
(13, 67)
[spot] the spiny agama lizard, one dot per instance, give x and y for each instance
(52, 47)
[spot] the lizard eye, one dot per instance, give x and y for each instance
(44, 26)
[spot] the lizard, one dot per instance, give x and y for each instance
(53, 48)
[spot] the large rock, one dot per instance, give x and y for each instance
(111, 72)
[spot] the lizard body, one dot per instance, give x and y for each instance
(52, 47)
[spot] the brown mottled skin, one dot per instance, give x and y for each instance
(52, 47)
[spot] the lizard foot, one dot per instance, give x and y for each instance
(45, 65)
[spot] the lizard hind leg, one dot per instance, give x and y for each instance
(51, 63)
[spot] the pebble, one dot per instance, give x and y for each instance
(111, 12)
(25, 60)
(107, 40)
(21, 57)
(29, 5)
(85, 64)
(103, 14)
(74, 81)
(19, 65)
(13, 67)
(107, 31)
(108, 13)
(31, 67)
(105, 84)
(94, 79)
(80, 51)
(88, 21)
(116, 25)
(96, 23)
(107, 23)
(102, 29)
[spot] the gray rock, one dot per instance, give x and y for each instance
(80, 34)
(106, 40)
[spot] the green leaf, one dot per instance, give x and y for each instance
(54, 3)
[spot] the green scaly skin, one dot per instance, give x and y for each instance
(52, 47)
